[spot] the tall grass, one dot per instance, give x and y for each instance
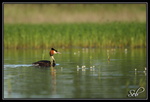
(114, 34)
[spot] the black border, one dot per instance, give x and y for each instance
(70, 3)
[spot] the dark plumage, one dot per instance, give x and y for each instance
(43, 63)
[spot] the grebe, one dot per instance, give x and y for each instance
(46, 63)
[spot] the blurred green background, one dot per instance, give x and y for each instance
(74, 25)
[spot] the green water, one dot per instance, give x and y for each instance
(79, 73)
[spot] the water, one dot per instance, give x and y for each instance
(79, 73)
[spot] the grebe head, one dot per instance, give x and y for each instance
(53, 51)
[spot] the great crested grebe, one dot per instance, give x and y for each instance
(46, 63)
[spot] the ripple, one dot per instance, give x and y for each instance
(17, 65)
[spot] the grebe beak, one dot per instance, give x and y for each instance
(58, 52)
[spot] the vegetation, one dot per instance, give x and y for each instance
(113, 34)
(74, 25)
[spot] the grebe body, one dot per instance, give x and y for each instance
(44, 63)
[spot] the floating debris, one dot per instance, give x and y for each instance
(108, 57)
(135, 70)
(125, 50)
(113, 50)
(91, 68)
(83, 67)
(77, 68)
(145, 71)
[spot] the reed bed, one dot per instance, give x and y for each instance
(113, 34)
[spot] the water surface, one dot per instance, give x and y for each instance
(79, 73)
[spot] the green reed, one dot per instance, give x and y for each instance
(114, 34)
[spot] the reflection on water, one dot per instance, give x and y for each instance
(79, 73)
(53, 74)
